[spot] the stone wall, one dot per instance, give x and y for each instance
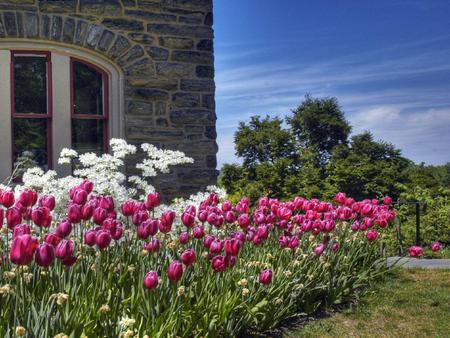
(165, 50)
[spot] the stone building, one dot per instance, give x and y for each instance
(75, 73)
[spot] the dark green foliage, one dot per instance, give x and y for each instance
(320, 124)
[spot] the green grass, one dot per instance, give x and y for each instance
(407, 303)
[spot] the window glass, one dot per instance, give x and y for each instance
(87, 135)
(87, 90)
(30, 85)
(30, 142)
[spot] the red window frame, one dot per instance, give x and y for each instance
(105, 115)
(47, 116)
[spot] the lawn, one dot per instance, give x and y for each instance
(408, 303)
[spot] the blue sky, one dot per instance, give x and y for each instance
(387, 62)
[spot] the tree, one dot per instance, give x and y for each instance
(320, 124)
(367, 168)
(230, 176)
(263, 140)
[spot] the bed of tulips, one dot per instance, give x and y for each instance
(216, 269)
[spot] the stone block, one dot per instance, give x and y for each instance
(192, 56)
(197, 85)
(101, 7)
(205, 71)
(31, 25)
(147, 93)
(171, 69)
(183, 100)
(195, 116)
(68, 30)
(176, 43)
(157, 53)
(123, 24)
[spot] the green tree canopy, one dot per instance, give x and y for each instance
(320, 123)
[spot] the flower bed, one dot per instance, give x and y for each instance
(89, 264)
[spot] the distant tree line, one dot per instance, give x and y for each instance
(311, 153)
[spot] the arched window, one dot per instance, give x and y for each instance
(79, 107)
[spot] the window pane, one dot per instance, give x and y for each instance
(30, 85)
(87, 135)
(30, 141)
(87, 90)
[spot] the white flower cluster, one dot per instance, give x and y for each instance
(105, 171)
(180, 204)
(160, 160)
(66, 156)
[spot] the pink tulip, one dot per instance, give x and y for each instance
(188, 257)
(198, 232)
(90, 237)
(13, 217)
(45, 255)
(103, 239)
(293, 243)
(74, 213)
(80, 197)
(188, 219)
(340, 198)
(151, 280)
(436, 246)
(175, 271)
(372, 235)
(41, 217)
(127, 208)
(265, 277)
(99, 215)
(22, 249)
(218, 264)
(153, 245)
(226, 206)
(21, 229)
(87, 211)
(52, 239)
(319, 249)
(166, 221)
(64, 249)
(152, 201)
(216, 246)
(283, 241)
(415, 251)
(232, 246)
(230, 217)
(184, 238)
(64, 228)
(387, 200)
(244, 221)
(335, 247)
(7, 198)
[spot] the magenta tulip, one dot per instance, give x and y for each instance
(218, 263)
(232, 246)
(99, 215)
(153, 245)
(372, 235)
(47, 201)
(265, 277)
(151, 280)
(153, 200)
(436, 246)
(22, 249)
(415, 251)
(103, 239)
(184, 238)
(64, 249)
(198, 232)
(64, 228)
(175, 271)
(90, 237)
(188, 219)
(74, 214)
(52, 239)
(188, 257)
(45, 255)
(13, 217)
(7, 198)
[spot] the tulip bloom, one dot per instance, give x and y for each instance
(175, 271)
(265, 277)
(90, 237)
(99, 215)
(188, 219)
(22, 249)
(232, 247)
(319, 249)
(45, 255)
(7, 199)
(151, 280)
(372, 235)
(415, 251)
(166, 221)
(64, 249)
(218, 264)
(152, 201)
(103, 239)
(13, 217)
(74, 214)
(184, 238)
(436, 246)
(198, 232)
(47, 201)
(64, 228)
(153, 246)
(244, 221)
(188, 257)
